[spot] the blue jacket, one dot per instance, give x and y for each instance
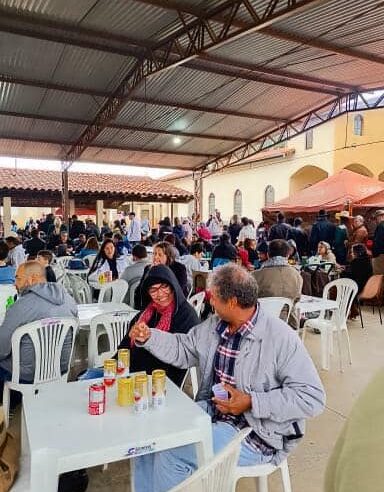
(7, 274)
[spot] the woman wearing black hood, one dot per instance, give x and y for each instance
(166, 309)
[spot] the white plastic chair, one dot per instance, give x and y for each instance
(261, 472)
(197, 301)
(47, 336)
(219, 474)
(89, 259)
(115, 325)
(63, 260)
(192, 372)
(274, 305)
(81, 291)
(119, 289)
(132, 286)
(346, 291)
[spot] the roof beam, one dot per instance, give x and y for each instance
(120, 126)
(323, 45)
(311, 119)
(95, 93)
(192, 39)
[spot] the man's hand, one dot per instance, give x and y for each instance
(140, 332)
(237, 403)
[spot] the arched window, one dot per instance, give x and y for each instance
(237, 203)
(211, 204)
(269, 195)
(358, 125)
(309, 139)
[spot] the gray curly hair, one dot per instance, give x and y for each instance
(231, 281)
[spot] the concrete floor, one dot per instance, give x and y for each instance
(308, 462)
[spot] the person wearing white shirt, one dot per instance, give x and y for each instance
(192, 261)
(16, 254)
(133, 229)
(247, 231)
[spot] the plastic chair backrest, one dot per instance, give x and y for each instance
(373, 287)
(119, 289)
(116, 326)
(346, 290)
(48, 336)
(192, 372)
(89, 259)
(132, 286)
(63, 260)
(81, 291)
(274, 305)
(196, 301)
(219, 474)
(217, 262)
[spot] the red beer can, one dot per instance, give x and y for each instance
(96, 402)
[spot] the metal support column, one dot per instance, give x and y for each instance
(65, 193)
(197, 195)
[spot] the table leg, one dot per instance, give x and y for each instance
(44, 471)
(324, 335)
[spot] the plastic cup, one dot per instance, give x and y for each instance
(219, 392)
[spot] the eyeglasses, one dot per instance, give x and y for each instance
(156, 290)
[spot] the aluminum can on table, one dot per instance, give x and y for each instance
(158, 388)
(110, 366)
(123, 362)
(96, 401)
(141, 393)
(125, 392)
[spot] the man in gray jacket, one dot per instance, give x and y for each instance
(37, 300)
(270, 379)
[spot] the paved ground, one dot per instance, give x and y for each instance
(308, 462)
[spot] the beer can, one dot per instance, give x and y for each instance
(141, 393)
(96, 400)
(158, 388)
(108, 276)
(110, 366)
(125, 392)
(101, 279)
(123, 362)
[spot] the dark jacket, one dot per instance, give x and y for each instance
(225, 250)
(178, 270)
(301, 239)
(50, 274)
(77, 228)
(378, 241)
(279, 231)
(322, 230)
(179, 231)
(233, 231)
(33, 246)
(359, 270)
(183, 319)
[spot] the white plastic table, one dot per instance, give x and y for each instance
(61, 436)
(310, 304)
(87, 311)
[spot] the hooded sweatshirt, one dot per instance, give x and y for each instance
(183, 319)
(40, 301)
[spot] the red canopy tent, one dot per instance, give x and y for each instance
(374, 201)
(335, 193)
(88, 212)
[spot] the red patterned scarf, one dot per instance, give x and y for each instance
(166, 313)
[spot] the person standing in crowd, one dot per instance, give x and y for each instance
(322, 230)
(378, 244)
(14, 226)
(105, 229)
(247, 231)
(203, 232)
(45, 224)
(214, 225)
(145, 227)
(280, 229)
(262, 232)
(188, 231)
(300, 237)
(272, 383)
(54, 232)
(77, 228)
(341, 237)
(359, 233)
(178, 230)
(133, 230)
(7, 272)
(16, 255)
(234, 228)
(34, 245)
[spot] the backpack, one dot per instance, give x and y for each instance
(76, 264)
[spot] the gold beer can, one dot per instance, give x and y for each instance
(110, 366)
(158, 388)
(123, 362)
(125, 392)
(141, 393)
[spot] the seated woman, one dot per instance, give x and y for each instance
(293, 258)
(163, 254)
(91, 248)
(360, 268)
(106, 260)
(225, 250)
(324, 254)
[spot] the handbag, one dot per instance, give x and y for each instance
(9, 456)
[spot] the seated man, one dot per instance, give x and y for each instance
(7, 272)
(65, 246)
(34, 245)
(37, 300)
(270, 378)
(135, 270)
(277, 278)
(192, 261)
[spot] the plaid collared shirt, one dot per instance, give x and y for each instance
(225, 359)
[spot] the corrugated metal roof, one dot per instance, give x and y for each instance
(202, 84)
